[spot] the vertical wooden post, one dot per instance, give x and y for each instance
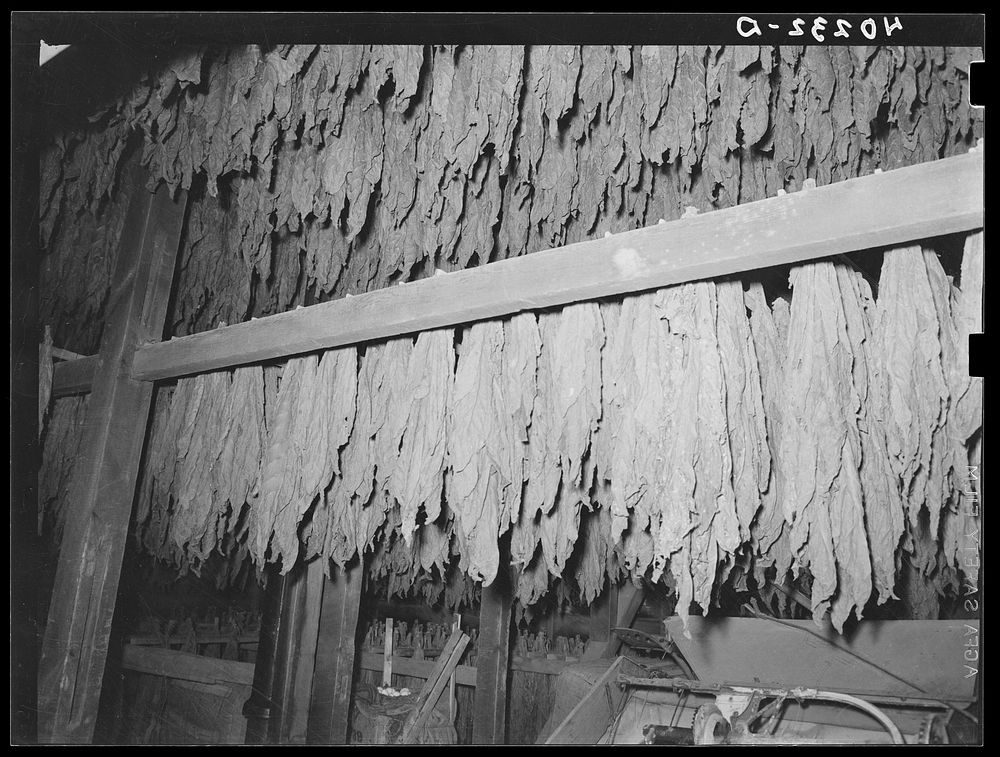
(456, 625)
(387, 652)
(329, 706)
(603, 617)
(258, 708)
(278, 708)
(489, 725)
(75, 645)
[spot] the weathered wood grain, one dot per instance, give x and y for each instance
(916, 202)
(101, 494)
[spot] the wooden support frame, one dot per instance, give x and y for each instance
(489, 725)
(434, 686)
(333, 678)
(939, 197)
(75, 644)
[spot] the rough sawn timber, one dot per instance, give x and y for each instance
(917, 202)
(489, 725)
(73, 376)
(336, 649)
(75, 645)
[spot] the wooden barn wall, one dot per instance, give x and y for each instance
(319, 171)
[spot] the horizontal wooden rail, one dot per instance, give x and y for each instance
(149, 640)
(465, 674)
(73, 376)
(891, 208)
(186, 666)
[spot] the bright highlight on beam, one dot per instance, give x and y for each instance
(48, 52)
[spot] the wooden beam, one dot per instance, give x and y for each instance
(185, 666)
(329, 706)
(603, 617)
(489, 725)
(73, 376)
(939, 197)
(300, 623)
(265, 697)
(630, 600)
(75, 645)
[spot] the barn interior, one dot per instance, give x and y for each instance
(509, 394)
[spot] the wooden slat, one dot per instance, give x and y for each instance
(603, 617)
(387, 653)
(185, 666)
(101, 493)
(465, 675)
(434, 686)
(74, 376)
(916, 202)
(629, 603)
(265, 698)
(303, 617)
(329, 706)
(489, 725)
(588, 720)
(60, 354)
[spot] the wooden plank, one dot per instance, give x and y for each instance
(75, 645)
(465, 675)
(73, 376)
(58, 353)
(588, 720)
(452, 700)
(329, 706)
(265, 696)
(387, 653)
(630, 600)
(939, 197)
(434, 687)
(185, 666)
(303, 625)
(604, 613)
(492, 669)
(149, 640)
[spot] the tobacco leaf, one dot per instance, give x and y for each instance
(820, 439)
(418, 477)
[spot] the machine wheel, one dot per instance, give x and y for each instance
(934, 730)
(710, 725)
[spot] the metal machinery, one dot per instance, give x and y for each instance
(744, 714)
(752, 713)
